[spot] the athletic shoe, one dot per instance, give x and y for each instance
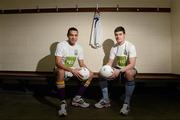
(62, 110)
(78, 101)
(125, 109)
(102, 103)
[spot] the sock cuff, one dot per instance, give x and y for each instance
(60, 82)
(87, 83)
(105, 89)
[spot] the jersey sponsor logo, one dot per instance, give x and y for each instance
(122, 61)
(69, 61)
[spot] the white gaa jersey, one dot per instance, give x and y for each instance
(122, 53)
(69, 53)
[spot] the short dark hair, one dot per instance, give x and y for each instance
(71, 29)
(119, 28)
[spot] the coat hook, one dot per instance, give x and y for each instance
(19, 11)
(2, 11)
(158, 9)
(37, 8)
(57, 9)
(137, 9)
(97, 7)
(117, 7)
(77, 9)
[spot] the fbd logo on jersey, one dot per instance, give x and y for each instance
(75, 52)
(69, 61)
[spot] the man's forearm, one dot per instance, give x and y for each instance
(61, 66)
(130, 66)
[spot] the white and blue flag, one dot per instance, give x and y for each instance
(96, 32)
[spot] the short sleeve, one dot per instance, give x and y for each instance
(80, 53)
(59, 50)
(112, 53)
(132, 51)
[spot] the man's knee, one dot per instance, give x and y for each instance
(60, 71)
(130, 74)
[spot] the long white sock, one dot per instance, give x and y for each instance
(105, 94)
(129, 89)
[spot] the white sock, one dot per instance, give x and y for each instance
(125, 106)
(63, 107)
(105, 94)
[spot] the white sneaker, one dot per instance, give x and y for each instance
(102, 103)
(62, 110)
(78, 101)
(125, 109)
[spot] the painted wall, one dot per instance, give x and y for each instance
(27, 41)
(175, 36)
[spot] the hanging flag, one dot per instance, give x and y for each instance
(96, 32)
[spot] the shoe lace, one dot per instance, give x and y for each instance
(81, 101)
(102, 102)
(125, 108)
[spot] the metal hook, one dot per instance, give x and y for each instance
(19, 10)
(158, 9)
(77, 9)
(57, 9)
(2, 11)
(117, 7)
(37, 8)
(97, 7)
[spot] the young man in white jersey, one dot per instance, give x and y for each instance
(66, 54)
(125, 54)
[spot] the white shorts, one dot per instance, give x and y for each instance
(67, 74)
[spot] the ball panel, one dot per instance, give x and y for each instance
(84, 72)
(106, 71)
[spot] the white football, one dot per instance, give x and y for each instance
(106, 71)
(84, 72)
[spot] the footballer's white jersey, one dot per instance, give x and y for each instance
(69, 53)
(96, 32)
(123, 53)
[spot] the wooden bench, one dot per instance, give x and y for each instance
(39, 76)
(30, 82)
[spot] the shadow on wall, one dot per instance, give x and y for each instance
(107, 45)
(47, 63)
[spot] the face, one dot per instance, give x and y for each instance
(73, 37)
(120, 37)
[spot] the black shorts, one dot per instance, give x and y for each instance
(121, 75)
